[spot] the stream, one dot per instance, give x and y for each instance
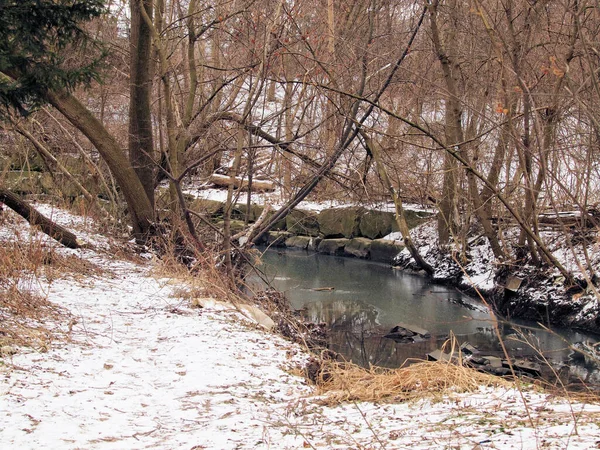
(360, 301)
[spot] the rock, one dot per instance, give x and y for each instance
(280, 225)
(239, 212)
(235, 225)
(468, 349)
(414, 218)
(298, 242)
(384, 251)
(412, 328)
(258, 316)
(438, 355)
(23, 181)
(527, 367)
(278, 238)
(498, 371)
(407, 333)
(313, 246)
(359, 247)
(301, 222)
(493, 361)
(377, 224)
(340, 222)
(333, 246)
(210, 208)
(513, 283)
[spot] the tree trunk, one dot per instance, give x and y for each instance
(55, 231)
(140, 208)
(400, 217)
(141, 145)
(447, 217)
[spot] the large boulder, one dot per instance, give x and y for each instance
(235, 225)
(302, 222)
(359, 248)
(23, 182)
(280, 225)
(209, 208)
(384, 251)
(341, 222)
(333, 246)
(377, 224)
(240, 210)
(414, 218)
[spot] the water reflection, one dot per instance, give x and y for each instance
(360, 301)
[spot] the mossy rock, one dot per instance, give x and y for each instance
(359, 248)
(385, 251)
(209, 208)
(341, 222)
(414, 218)
(239, 212)
(377, 224)
(280, 225)
(304, 223)
(298, 242)
(235, 225)
(61, 184)
(278, 238)
(333, 246)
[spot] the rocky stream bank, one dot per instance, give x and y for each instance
(524, 292)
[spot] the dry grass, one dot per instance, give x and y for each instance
(341, 382)
(30, 320)
(27, 318)
(198, 275)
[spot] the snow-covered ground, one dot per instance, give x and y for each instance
(144, 369)
(276, 199)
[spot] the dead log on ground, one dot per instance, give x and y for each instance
(31, 215)
(237, 182)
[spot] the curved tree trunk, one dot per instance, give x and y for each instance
(140, 208)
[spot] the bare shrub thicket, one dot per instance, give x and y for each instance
(486, 111)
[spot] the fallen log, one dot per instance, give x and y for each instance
(31, 215)
(241, 183)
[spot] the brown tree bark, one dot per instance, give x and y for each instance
(141, 145)
(375, 149)
(140, 208)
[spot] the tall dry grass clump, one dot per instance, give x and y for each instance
(27, 318)
(342, 382)
(27, 264)
(196, 272)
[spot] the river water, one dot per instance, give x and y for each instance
(360, 301)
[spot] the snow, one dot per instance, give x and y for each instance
(145, 369)
(277, 199)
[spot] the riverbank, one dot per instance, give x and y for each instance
(133, 364)
(520, 290)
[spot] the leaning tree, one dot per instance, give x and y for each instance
(36, 36)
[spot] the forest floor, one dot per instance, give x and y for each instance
(103, 348)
